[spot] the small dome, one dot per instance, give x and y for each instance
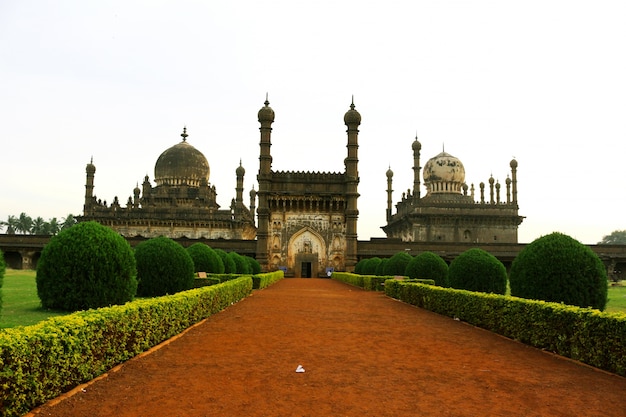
(416, 144)
(352, 117)
(389, 173)
(90, 168)
(444, 173)
(240, 171)
(513, 163)
(182, 164)
(266, 114)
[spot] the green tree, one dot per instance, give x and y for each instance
(370, 266)
(617, 237)
(87, 266)
(11, 224)
(397, 264)
(163, 267)
(477, 270)
(255, 266)
(380, 269)
(24, 223)
(52, 227)
(229, 264)
(559, 268)
(358, 268)
(68, 222)
(37, 226)
(205, 259)
(241, 265)
(428, 265)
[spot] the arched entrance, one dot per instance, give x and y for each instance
(305, 253)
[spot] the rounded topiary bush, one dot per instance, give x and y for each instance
(358, 268)
(255, 266)
(205, 259)
(559, 268)
(163, 267)
(86, 266)
(396, 265)
(477, 270)
(370, 266)
(229, 264)
(428, 265)
(241, 265)
(380, 269)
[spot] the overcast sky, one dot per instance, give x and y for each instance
(541, 81)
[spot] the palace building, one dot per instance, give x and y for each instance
(181, 204)
(447, 213)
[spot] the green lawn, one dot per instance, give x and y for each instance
(21, 305)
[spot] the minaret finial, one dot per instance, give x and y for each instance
(443, 147)
(184, 134)
(267, 101)
(352, 105)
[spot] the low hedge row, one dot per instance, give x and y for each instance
(40, 362)
(583, 334)
(373, 282)
(260, 281)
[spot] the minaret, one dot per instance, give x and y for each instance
(240, 171)
(352, 120)
(389, 193)
(266, 118)
(89, 200)
(514, 179)
(252, 202)
(417, 146)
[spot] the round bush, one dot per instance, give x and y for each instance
(558, 268)
(370, 266)
(86, 266)
(163, 267)
(358, 268)
(255, 266)
(205, 259)
(380, 269)
(397, 264)
(241, 265)
(477, 270)
(229, 265)
(428, 265)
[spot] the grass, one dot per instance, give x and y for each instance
(21, 305)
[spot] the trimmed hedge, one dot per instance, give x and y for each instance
(40, 362)
(260, 281)
(2, 270)
(583, 334)
(372, 282)
(163, 267)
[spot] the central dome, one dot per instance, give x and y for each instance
(182, 164)
(444, 173)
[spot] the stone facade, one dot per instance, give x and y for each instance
(181, 204)
(447, 213)
(307, 222)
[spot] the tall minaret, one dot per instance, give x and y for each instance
(266, 118)
(240, 171)
(252, 202)
(352, 119)
(389, 193)
(91, 172)
(514, 179)
(417, 147)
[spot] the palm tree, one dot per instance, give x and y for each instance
(11, 224)
(38, 225)
(68, 221)
(24, 223)
(52, 226)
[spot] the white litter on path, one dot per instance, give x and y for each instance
(299, 369)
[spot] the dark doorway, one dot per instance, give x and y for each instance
(306, 270)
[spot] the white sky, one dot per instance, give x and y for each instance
(542, 81)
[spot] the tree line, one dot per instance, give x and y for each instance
(24, 224)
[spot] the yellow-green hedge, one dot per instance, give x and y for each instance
(40, 362)
(373, 282)
(260, 281)
(584, 334)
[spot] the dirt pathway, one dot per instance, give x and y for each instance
(363, 355)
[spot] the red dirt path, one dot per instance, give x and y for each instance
(364, 354)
